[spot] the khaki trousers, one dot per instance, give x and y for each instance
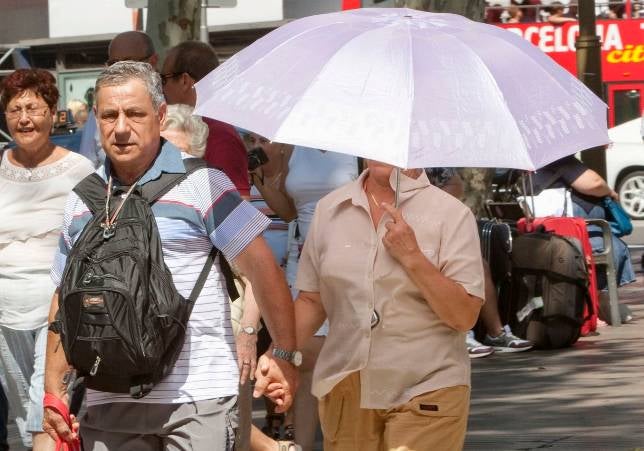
(433, 421)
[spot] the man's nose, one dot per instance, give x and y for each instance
(122, 125)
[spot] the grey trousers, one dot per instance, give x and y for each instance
(22, 359)
(198, 426)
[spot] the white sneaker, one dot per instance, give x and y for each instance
(474, 348)
(508, 342)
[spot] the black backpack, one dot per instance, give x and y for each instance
(122, 321)
(549, 289)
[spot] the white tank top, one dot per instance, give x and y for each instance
(312, 174)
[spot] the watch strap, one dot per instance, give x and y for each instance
(283, 354)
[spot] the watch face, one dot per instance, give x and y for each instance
(250, 330)
(297, 358)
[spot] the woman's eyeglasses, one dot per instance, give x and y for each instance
(30, 111)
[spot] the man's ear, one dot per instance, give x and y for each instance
(154, 60)
(163, 110)
(187, 81)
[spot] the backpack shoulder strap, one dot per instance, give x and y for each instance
(225, 269)
(155, 189)
(92, 191)
(201, 280)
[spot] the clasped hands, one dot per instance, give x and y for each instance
(276, 379)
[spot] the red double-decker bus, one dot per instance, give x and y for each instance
(622, 55)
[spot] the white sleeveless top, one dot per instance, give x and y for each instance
(312, 174)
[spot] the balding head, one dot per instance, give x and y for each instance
(132, 46)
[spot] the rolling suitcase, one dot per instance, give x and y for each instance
(496, 246)
(548, 292)
(574, 228)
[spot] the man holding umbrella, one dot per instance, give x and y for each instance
(400, 287)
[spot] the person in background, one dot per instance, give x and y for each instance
(557, 16)
(531, 10)
(189, 133)
(126, 46)
(515, 14)
(616, 11)
(292, 186)
(184, 65)
(79, 111)
(499, 337)
(36, 176)
(587, 190)
(494, 13)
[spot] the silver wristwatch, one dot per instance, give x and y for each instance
(293, 357)
(249, 330)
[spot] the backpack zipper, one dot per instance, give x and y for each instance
(94, 369)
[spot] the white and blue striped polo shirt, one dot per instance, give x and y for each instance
(203, 210)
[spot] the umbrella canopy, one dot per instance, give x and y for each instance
(409, 88)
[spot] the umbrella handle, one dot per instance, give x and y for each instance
(396, 198)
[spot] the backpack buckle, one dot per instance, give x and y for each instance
(140, 390)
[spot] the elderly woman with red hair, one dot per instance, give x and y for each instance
(36, 176)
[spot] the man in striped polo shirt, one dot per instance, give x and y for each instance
(192, 408)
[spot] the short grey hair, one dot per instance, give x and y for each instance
(124, 71)
(179, 117)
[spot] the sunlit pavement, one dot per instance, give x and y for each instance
(588, 397)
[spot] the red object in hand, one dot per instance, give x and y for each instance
(53, 402)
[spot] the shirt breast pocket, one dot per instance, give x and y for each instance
(428, 235)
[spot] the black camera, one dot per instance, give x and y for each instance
(256, 158)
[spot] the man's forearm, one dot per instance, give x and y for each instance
(274, 300)
(447, 298)
(56, 365)
(250, 315)
(271, 292)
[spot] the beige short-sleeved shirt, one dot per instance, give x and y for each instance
(411, 351)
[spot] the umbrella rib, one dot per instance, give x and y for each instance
(548, 74)
(491, 78)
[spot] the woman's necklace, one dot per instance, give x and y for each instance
(371, 195)
(375, 202)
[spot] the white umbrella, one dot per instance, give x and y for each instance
(409, 88)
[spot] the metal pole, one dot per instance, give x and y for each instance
(397, 194)
(589, 71)
(203, 27)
